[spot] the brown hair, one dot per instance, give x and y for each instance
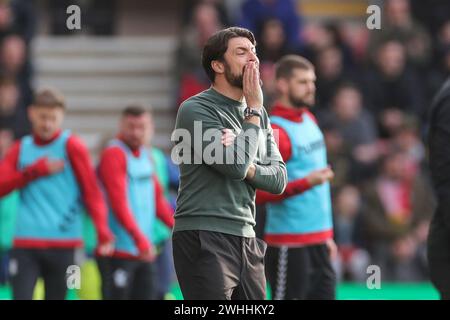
(49, 97)
(288, 63)
(217, 45)
(134, 111)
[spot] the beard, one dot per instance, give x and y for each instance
(235, 80)
(301, 102)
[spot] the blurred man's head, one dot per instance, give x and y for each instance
(347, 102)
(13, 53)
(136, 126)
(395, 165)
(296, 79)
(206, 21)
(318, 36)
(226, 53)
(329, 63)
(46, 114)
(9, 96)
(391, 58)
(272, 35)
(398, 12)
(6, 16)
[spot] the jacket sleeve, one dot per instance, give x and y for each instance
(271, 174)
(198, 134)
(439, 148)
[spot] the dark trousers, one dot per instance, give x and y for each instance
(217, 266)
(126, 279)
(27, 265)
(438, 252)
(300, 273)
(440, 276)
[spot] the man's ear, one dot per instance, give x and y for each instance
(217, 66)
(282, 85)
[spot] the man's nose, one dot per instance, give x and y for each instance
(254, 57)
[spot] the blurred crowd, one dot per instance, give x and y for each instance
(17, 26)
(372, 91)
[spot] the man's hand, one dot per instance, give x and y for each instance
(55, 166)
(228, 137)
(145, 247)
(106, 249)
(320, 176)
(252, 86)
(44, 167)
(251, 172)
(332, 249)
(148, 255)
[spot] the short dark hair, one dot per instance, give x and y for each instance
(285, 66)
(217, 45)
(50, 98)
(134, 111)
(346, 85)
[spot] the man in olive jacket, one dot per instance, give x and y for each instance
(215, 251)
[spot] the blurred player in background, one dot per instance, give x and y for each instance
(136, 198)
(299, 230)
(54, 174)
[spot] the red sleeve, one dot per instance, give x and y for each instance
(294, 187)
(12, 178)
(163, 209)
(283, 141)
(90, 190)
(113, 174)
